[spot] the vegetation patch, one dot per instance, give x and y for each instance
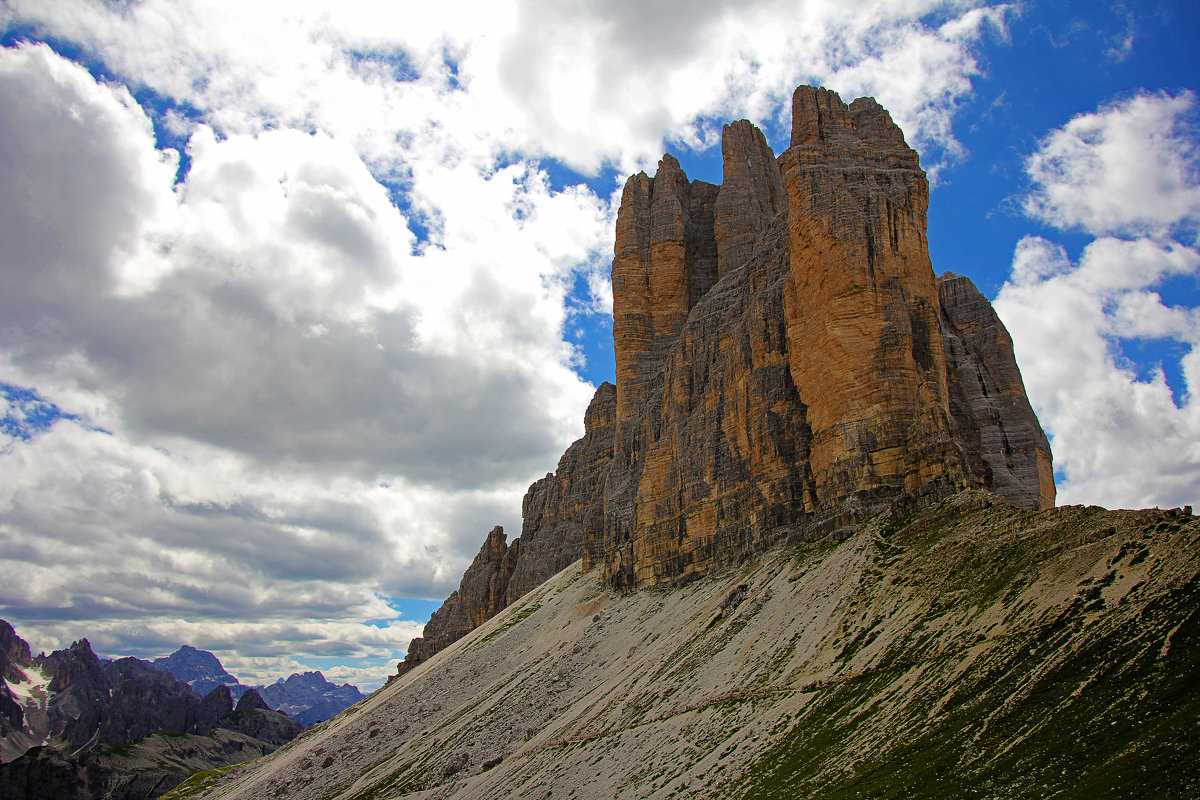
(1114, 717)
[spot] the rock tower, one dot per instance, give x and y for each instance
(786, 361)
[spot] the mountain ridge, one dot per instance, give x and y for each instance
(88, 729)
(307, 697)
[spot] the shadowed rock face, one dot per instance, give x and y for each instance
(563, 513)
(480, 596)
(991, 414)
(787, 364)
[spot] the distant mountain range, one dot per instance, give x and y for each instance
(307, 697)
(74, 725)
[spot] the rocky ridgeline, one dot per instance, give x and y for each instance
(72, 725)
(787, 364)
(306, 697)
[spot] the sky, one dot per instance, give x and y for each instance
(298, 297)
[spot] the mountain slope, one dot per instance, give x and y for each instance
(970, 649)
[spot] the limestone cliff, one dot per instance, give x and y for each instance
(787, 364)
(862, 304)
(480, 596)
(991, 413)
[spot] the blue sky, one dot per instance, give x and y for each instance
(298, 298)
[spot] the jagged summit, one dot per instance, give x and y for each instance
(787, 363)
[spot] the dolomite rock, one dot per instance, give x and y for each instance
(480, 596)
(564, 510)
(787, 364)
(992, 415)
(750, 196)
(862, 304)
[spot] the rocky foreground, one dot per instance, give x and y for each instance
(967, 650)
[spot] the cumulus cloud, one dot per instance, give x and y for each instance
(1121, 438)
(255, 351)
(306, 308)
(584, 83)
(1129, 169)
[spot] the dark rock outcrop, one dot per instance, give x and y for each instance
(563, 513)
(254, 718)
(992, 417)
(14, 654)
(480, 596)
(215, 706)
(199, 668)
(144, 700)
(14, 659)
(76, 701)
(787, 364)
(250, 701)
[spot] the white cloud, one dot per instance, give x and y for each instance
(292, 406)
(1119, 440)
(1122, 437)
(262, 350)
(1130, 169)
(581, 82)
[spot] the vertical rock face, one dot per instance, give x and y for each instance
(786, 362)
(750, 197)
(992, 415)
(665, 260)
(564, 511)
(862, 303)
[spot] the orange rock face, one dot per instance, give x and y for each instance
(862, 304)
(786, 363)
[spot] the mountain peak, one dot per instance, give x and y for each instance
(787, 365)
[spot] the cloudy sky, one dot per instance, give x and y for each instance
(297, 297)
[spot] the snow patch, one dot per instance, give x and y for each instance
(33, 692)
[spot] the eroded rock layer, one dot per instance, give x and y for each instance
(787, 363)
(862, 303)
(991, 413)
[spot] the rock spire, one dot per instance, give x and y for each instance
(787, 363)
